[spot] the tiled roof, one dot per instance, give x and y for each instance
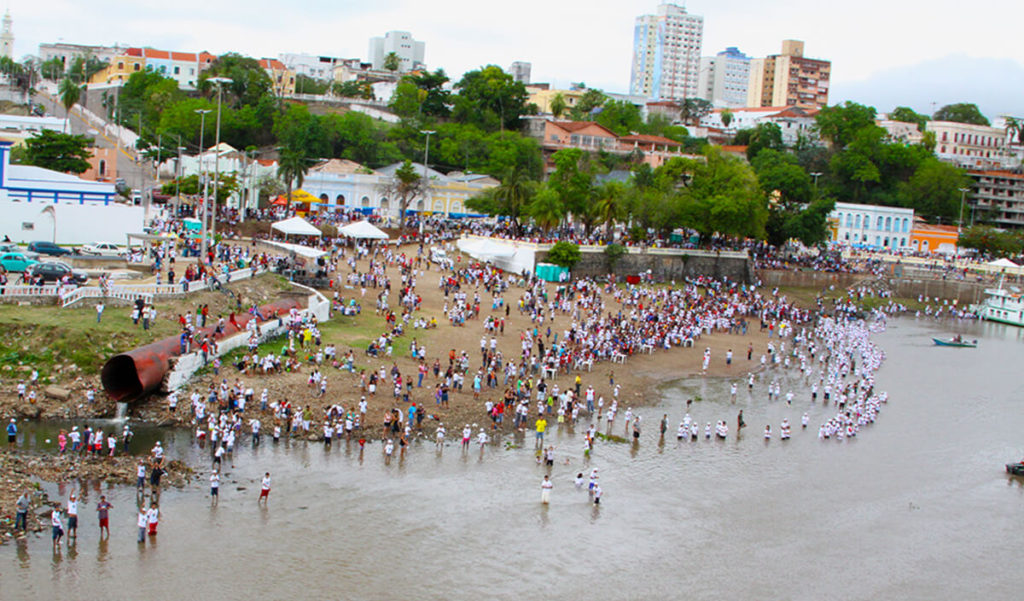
(644, 138)
(571, 126)
(154, 53)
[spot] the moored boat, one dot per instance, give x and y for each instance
(1016, 469)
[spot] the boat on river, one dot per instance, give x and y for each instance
(1002, 305)
(957, 342)
(1016, 469)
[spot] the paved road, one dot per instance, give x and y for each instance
(127, 167)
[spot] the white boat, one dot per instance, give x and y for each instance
(1002, 305)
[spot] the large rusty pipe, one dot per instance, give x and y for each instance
(130, 375)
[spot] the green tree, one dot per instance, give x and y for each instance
(191, 185)
(839, 124)
(1015, 130)
(58, 151)
(510, 199)
(392, 62)
(988, 240)
(584, 108)
(779, 172)
(723, 196)
(52, 69)
(69, 95)
(558, 105)
(305, 84)
(961, 112)
(84, 67)
(621, 117)
(546, 208)
(573, 180)
(404, 186)
(434, 97)
(352, 89)
(610, 204)
(613, 252)
(764, 136)
(490, 99)
(726, 117)
(292, 167)
(407, 100)
(906, 114)
(564, 254)
(934, 190)
(249, 81)
(692, 110)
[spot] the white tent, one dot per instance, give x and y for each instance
(295, 226)
(484, 250)
(361, 230)
(1002, 263)
(307, 252)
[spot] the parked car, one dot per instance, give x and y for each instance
(48, 248)
(10, 247)
(102, 248)
(15, 262)
(53, 271)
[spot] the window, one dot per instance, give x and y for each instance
(340, 199)
(849, 220)
(137, 66)
(906, 225)
(103, 168)
(888, 224)
(365, 201)
(324, 198)
(177, 70)
(878, 224)
(857, 222)
(903, 242)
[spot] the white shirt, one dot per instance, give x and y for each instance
(265, 484)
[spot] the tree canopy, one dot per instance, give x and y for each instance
(58, 151)
(961, 112)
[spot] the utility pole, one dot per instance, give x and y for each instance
(202, 129)
(216, 158)
(426, 181)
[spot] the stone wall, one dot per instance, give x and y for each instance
(664, 264)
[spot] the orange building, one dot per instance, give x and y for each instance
(925, 237)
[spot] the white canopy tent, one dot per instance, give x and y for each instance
(1002, 263)
(362, 230)
(300, 250)
(295, 226)
(484, 250)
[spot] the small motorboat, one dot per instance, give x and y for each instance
(957, 342)
(1016, 469)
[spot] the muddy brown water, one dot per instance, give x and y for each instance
(916, 507)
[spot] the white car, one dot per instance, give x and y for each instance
(103, 248)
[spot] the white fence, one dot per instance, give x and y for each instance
(69, 296)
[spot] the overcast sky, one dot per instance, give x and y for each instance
(567, 40)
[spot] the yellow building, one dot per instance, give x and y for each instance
(543, 97)
(282, 77)
(120, 68)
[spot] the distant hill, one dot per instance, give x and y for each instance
(994, 84)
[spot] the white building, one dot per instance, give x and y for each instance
(67, 53)
(226, 159)
(520, 71)
(871, 226)
(723, 78)
(794, 122)
(973, 146)
(39, 204)
(317, 67)
(410, 52)
(7, 37)
(18, 127)
(900, 131)
(666, 53)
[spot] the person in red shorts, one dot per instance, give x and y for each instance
(103, 510)
(265, 488)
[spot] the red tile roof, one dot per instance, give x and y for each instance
(571, 126)
(154, 53)
(134, 52)
(272, 63)
(184, 56)
(1008, 174)
(646, 139)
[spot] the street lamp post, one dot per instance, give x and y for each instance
(202, 129)
(426, 182)
(216, 158)
(177, 182)
(960, 223)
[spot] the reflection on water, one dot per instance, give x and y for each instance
(917, 506)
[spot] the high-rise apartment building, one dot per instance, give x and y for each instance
(723, 78)
(409, 51)
(666, 53)
(520, 71)
(789, 79)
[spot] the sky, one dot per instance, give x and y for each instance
(575, 40)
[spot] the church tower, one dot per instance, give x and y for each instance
(7, 37)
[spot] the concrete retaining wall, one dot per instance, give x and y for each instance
(664, 264)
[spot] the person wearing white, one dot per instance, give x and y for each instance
(545, 490)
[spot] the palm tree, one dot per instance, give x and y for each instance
(513, 195)
(1015, 129)
(292, 166)
(69, 95)
(609, 204)
(558, 105)
(547, 209)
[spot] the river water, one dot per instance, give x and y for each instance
(916, 507)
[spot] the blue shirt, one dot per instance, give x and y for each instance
(12, 429)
